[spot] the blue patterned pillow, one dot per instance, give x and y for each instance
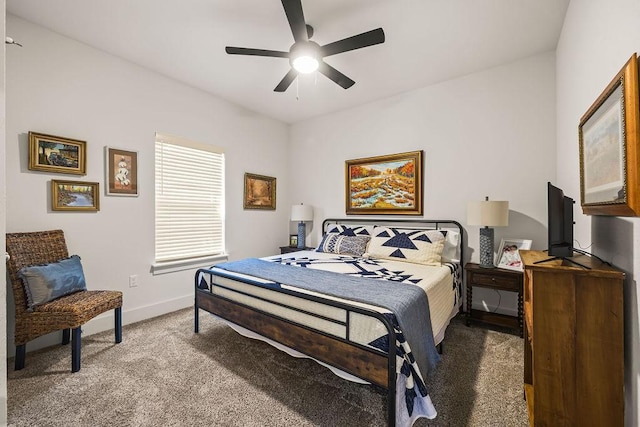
(417, 246)
(44, 283)
(335, 243)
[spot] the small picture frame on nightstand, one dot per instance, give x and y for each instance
(293, 240)
(508, 255)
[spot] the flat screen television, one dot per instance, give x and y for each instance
(560, 211)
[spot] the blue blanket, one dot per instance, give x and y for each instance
(409, 303)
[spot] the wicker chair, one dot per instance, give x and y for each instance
(67, 313)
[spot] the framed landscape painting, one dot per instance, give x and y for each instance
(390, 185)
(259, 192)
(609, 151)
(75, 196)
(50, 153)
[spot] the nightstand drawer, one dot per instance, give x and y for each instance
(491, 280)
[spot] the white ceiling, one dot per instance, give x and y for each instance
(427, 41)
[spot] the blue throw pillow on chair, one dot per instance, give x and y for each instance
(44, 283)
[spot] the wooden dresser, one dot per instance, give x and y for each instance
(574, 342)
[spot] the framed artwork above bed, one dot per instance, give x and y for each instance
(384, 185)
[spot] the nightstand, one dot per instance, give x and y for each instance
(289, 249)
(498, 279)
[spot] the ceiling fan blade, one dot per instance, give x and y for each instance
(335, 75)
(369, 38)
(295, 16)
(286, 81)
(256, 52)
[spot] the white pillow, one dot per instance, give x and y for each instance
(417, 246)
(451, 251)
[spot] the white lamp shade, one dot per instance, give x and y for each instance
(301, 213)
(488, 213)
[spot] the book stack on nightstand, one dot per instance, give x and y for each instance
(498, 279)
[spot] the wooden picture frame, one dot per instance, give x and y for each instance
(49, 153)
(75, 196)
(259, 192)
(384, 185)
(609, 156)
(121, 172)
(508, 253)
(293, 240)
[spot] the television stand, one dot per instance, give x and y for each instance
(564, 259)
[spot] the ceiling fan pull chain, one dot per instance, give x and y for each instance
(297, 90)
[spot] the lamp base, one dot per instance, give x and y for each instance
(486, 247)
(301, 235)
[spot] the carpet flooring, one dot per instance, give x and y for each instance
(163, 374)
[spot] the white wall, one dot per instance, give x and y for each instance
(597, 40)
(491, 133)
(58, 86)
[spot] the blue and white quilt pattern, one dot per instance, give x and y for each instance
(369, 267)
(416, 399)
(359, 267)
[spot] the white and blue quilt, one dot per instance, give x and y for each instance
(405, 307)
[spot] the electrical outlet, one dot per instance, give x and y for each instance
(133, 281)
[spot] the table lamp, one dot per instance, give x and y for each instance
(487, 214)
(301, 213)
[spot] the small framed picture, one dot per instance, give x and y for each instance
(293, 240)
(74, 196)
(259, 192)
(56, 154)
(121, 170)
(508, 255)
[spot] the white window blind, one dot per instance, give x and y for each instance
(189, 199)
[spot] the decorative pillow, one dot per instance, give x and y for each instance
(343, 230)
(417, 246)
(44, 283)
(451, 251)
(335, 243)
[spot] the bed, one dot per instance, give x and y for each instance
(345, 302)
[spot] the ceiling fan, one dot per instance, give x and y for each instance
(306, 56)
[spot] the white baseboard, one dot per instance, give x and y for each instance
(105, 322)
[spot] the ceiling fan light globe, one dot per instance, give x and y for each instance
(305, 64)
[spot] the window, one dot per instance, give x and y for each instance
(189, 200)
